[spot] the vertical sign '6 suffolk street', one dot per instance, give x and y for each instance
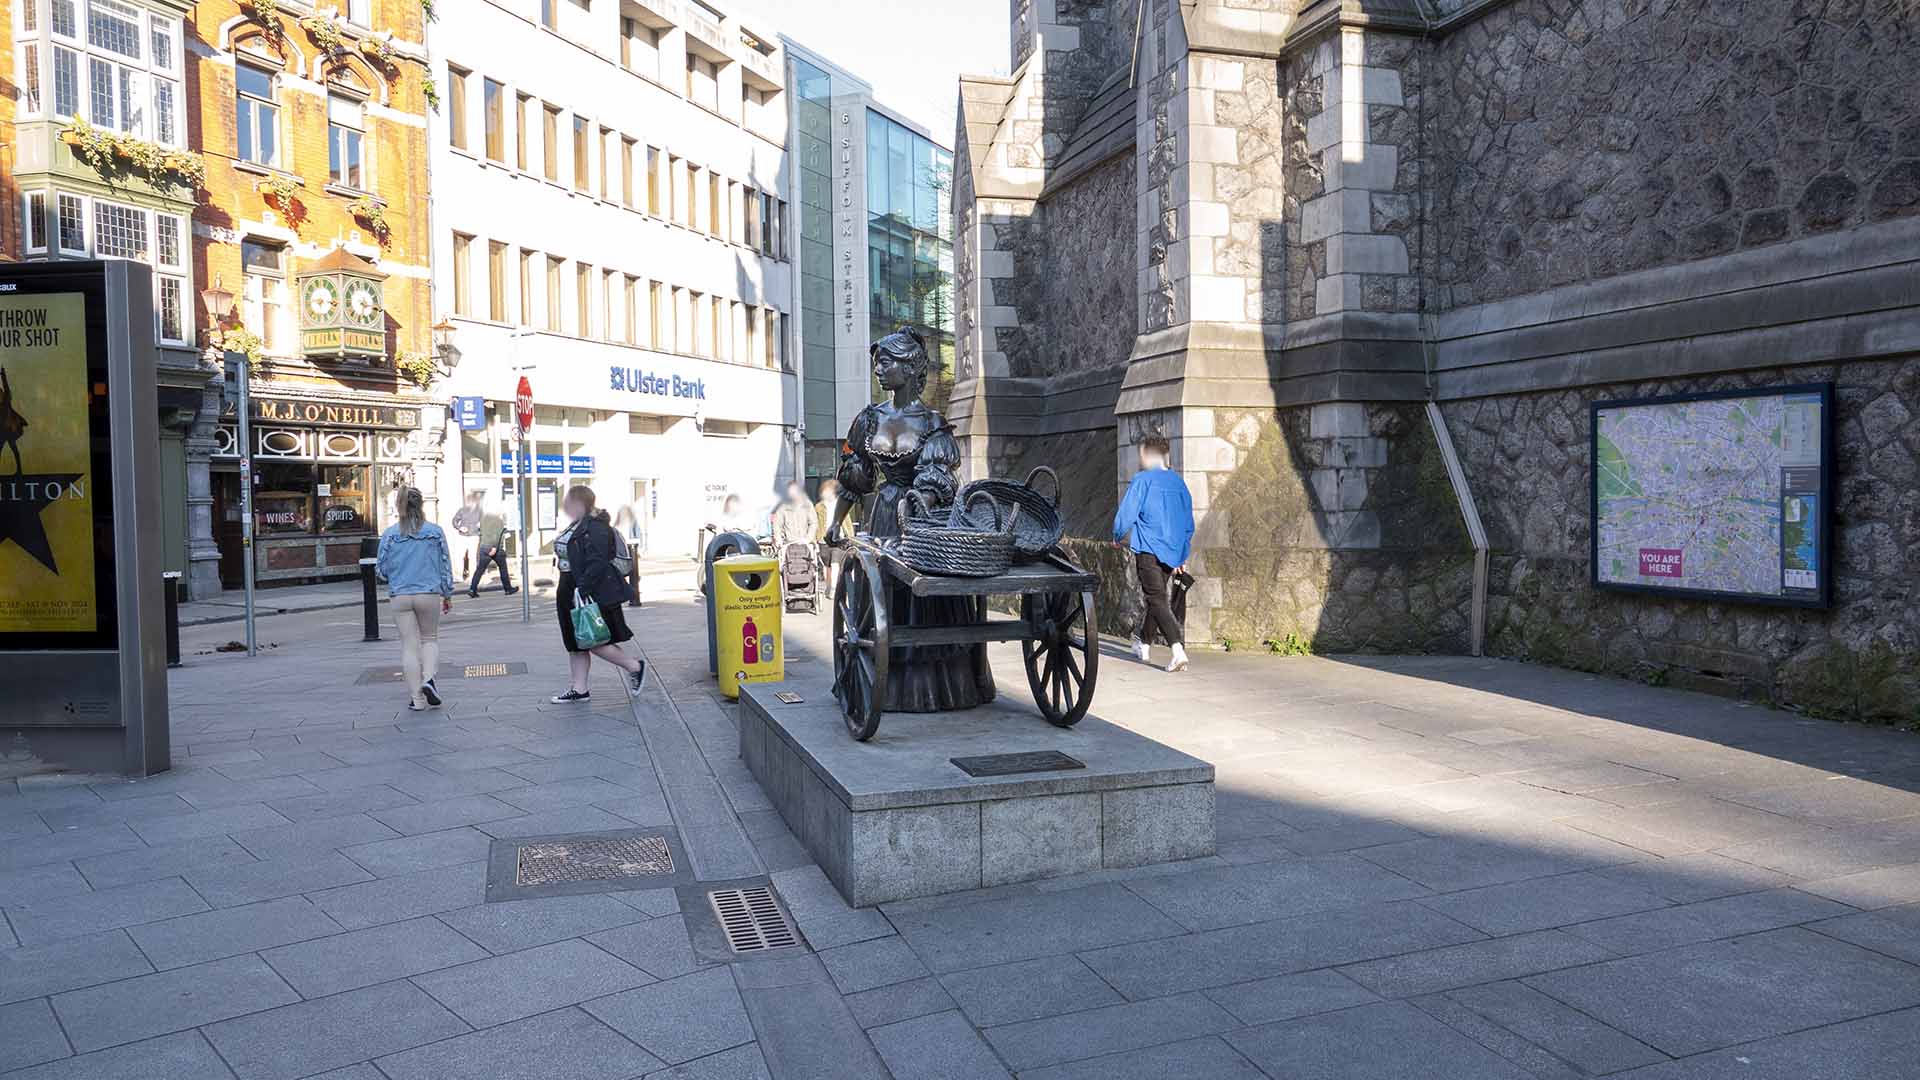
(46, 486)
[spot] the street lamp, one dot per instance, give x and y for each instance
(234, 388)
(443, 332)
(217, 301)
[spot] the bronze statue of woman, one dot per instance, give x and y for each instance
(893, 447)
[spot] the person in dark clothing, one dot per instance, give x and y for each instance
(491, 532)
(1157, 517)
(584, 550)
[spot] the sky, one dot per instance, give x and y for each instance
(912, 51)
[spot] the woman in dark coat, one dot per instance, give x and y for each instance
(893, 447)
(585, 552)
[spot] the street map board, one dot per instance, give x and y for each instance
(1726, 495)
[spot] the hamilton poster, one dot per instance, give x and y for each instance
(46, 482)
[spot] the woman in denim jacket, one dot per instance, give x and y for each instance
(419, 574)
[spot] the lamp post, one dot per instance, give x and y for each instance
(237, 374)
(443, 332)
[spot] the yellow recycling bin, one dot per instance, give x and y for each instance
(746, 595)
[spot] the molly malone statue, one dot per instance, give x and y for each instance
(896, 446)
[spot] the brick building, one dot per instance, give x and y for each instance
(1366, 233)
(98, 163)
(311, 121)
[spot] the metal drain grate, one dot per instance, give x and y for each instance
(594, 859)
(492, 670)
(752, 920)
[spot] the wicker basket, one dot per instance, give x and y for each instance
(1039, 527)
(958, 548)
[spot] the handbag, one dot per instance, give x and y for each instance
(589, 626)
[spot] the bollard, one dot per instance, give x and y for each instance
(369, 602)
(721, 546)
(171, 588)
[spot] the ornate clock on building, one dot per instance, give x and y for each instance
(322, 297)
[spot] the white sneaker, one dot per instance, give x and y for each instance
(1179, 661)
(1140, 651)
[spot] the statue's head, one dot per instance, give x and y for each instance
(900, 361)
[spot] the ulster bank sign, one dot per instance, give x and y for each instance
(635, 380)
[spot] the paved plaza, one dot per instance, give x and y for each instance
(1429, 867)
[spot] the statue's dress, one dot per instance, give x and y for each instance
(888, 453)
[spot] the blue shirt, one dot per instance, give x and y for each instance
(416, 564)
(1158, 512)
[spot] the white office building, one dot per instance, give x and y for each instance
(610, 203)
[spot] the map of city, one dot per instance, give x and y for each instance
(1719, 495)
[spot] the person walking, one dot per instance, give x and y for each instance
(1157, 514)
(466, 526)
(584, 551)
(831, 556)
(414, 562)
(491, 532)
(795, 522)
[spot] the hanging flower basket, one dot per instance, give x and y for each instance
(108, 152)
(417, 368)
(374, 213)
(281, 190)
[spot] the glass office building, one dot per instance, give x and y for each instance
(910, 241)
(875, 245)
(814, 158)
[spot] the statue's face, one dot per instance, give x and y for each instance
(892, 372)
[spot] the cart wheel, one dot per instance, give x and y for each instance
(860, 646)
(1062, 650)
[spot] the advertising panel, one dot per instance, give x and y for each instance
(49, 487)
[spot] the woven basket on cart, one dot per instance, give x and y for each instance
(1039, 527)
(958, 549)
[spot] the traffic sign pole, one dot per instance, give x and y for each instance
(523, 423)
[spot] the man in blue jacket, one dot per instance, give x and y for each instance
(1158, 514)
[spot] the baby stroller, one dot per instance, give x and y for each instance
(799, 578)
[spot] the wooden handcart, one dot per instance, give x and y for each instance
(1058, 629)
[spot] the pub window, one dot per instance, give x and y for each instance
(283, 498)
(36, 231)
(493, 103)
(497, 281)
(345, 498)
(346, 138)
(264, 292)
(256, 116)
(462, 291)
(73, 224)
(119, 232)
(30, 76)
(457, 106)
(66, 82)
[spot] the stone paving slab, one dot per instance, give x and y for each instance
(1541, 873)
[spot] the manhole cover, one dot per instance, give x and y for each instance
(1008, 764)
(593, 859)
(492, 671)
(378, 675)
(752, 920)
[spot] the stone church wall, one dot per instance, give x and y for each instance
(1579, 140)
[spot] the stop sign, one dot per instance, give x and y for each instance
(523, 405)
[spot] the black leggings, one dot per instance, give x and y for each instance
(1159, 613)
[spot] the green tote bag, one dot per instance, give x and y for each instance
(589, 627)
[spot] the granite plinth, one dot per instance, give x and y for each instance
(893, 818)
